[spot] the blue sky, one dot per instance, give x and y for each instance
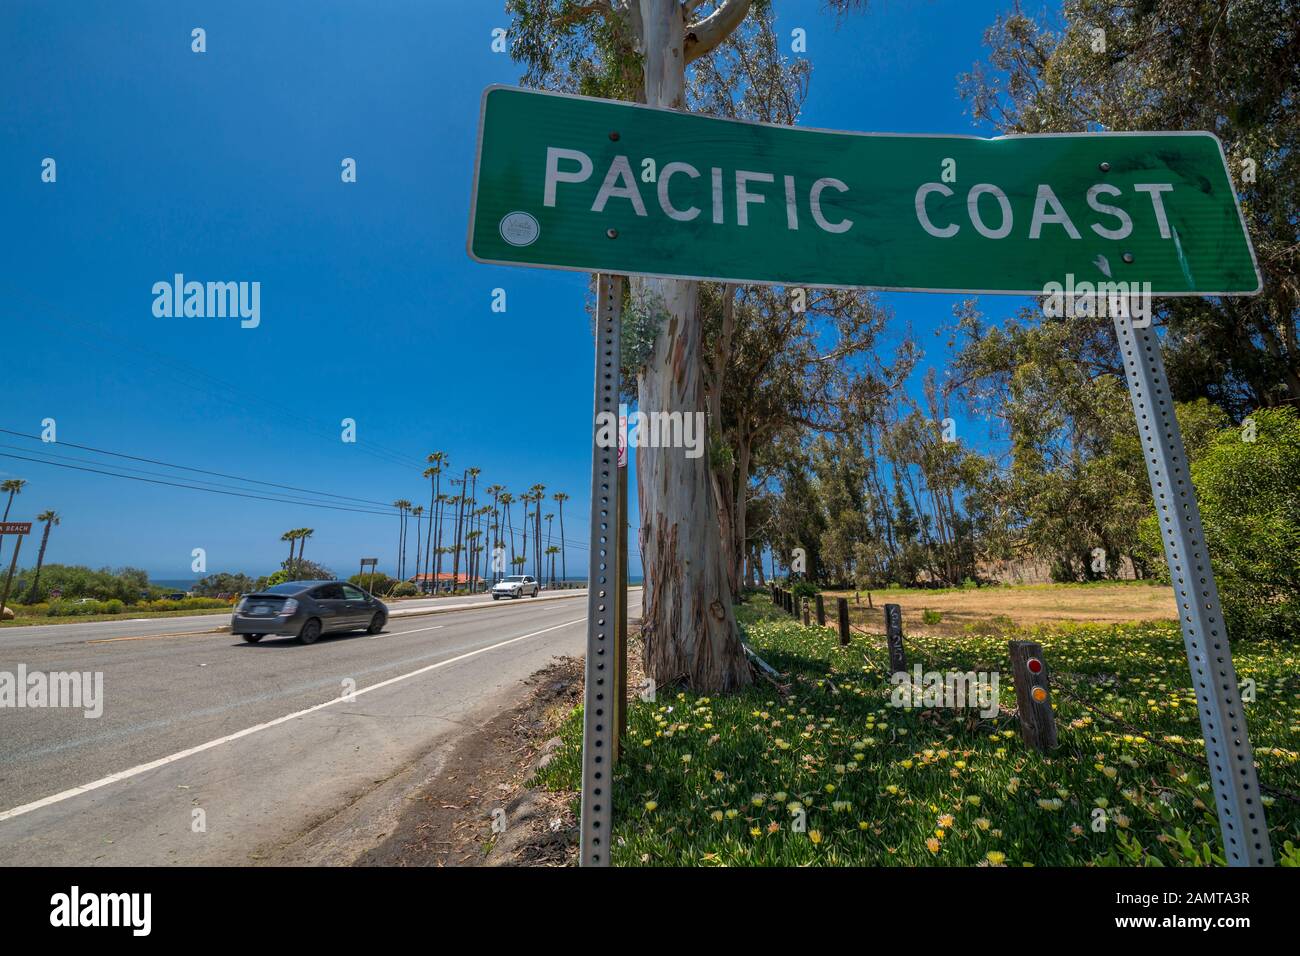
(225, 166)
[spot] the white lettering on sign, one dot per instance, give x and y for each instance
(744, 197)
(621, 183)
(553, 174)
(924, 218)
(1048, 210)
(665, 175)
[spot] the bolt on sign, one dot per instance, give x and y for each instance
(571, 182)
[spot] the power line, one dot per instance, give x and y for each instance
(199, 471)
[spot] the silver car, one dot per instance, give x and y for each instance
(306, 610)
(515, 586)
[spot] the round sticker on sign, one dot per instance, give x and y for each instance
(519, 229)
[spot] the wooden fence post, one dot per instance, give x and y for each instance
(894, 638)
(843, 608)
(821, 610)
(1033, 695)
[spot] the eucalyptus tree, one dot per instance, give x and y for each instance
(641, 50)
(1228, 67)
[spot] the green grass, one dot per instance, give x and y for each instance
(712, 781)
(128, 613)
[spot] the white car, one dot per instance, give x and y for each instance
(515, 586)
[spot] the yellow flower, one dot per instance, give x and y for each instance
(732, 814)
(815, 836)
(686, 758)
(996, 858)
(755, 832)
(973, 800)
(892, 789)
(982, 822)
(932, 845)
(946, 820)
(651, 806)
(717, 815)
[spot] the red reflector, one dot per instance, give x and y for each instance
(1034, 665)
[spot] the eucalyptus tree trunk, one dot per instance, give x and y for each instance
(689, 627)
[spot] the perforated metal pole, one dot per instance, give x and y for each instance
(1223, 721)
(601, 693)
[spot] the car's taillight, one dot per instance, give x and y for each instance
(289, 607)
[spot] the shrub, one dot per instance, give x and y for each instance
(804, 589)
(1249, 493)
(111, 606)
(931, 617)
(404, 589)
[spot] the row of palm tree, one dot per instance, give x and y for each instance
(476, 529)
(297, 537)
(14, 487)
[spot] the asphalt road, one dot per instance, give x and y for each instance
(258, 737)
(195, 623)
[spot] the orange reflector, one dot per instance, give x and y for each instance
(1039, 694)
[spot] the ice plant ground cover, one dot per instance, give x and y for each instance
(829, 773)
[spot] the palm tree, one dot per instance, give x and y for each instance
(507, 499)
(436, 462)
(303, 535)
(460, 529)
(11, 487)
(418, 513)
(291, 536)
(526, 497)
(495, 492)
(552, 551)
(401, 504)
(50, 518)
(438, 549)
(551, 564)
(560, 499)
(539, 492)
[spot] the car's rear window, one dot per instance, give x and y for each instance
(283, 589)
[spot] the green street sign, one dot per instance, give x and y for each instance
(571, 182)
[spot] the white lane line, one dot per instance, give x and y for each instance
(163, 761)
(414, 630)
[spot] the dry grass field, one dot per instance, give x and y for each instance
(997, 609)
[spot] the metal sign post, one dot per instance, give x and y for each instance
(620, 727)
(1223, 721)
(372, 562)
(604, 601)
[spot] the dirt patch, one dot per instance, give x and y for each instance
(450, 821)
(485, 779)
(1000, 608)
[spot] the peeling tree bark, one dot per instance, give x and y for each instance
(689, 627)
